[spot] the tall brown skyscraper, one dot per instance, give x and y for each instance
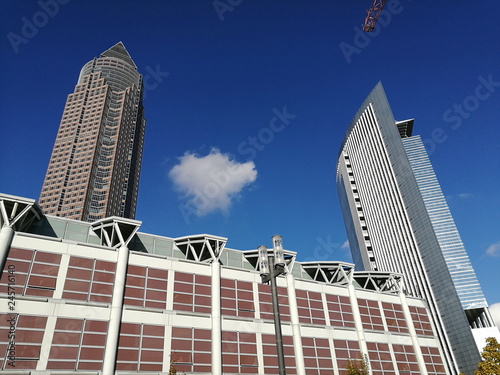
(95, 164)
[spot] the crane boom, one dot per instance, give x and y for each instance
(373, 14)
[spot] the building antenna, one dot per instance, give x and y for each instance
(373, 14)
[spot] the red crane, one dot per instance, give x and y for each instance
(373, 14)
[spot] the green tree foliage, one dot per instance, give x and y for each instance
(358, 366)
(491, 354)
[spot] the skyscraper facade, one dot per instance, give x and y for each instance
(96, 160)
(389, 228)
(461, 270)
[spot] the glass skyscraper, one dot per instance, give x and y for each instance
(95, 164)
(381, 176)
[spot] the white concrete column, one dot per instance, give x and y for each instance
(294, 319)
(216, 321)
(357, 319)
(111, 349)
(46, 347)
(6, 236)
(413, 334)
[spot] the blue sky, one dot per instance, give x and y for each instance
(216, 79)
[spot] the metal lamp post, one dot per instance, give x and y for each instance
(270, 268)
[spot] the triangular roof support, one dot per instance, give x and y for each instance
(115, 231)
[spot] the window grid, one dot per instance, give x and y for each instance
(237, 298)
(340, 311)
(433, 360)
(35, 272)
(310, 307)
(406, 359)
(421, 321)
(346, 350)
(380, 359)
(270, 354)
(192, 293)
(191, 350)
(239, 353)
(395, 317)
(28, 338)
(146, 287)
(140, 347)
(89, 280)
(317, 356)
(370, 314)
(266, 304)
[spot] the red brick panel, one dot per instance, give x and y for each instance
(103, 279)
(89, 280)
(43, 274)
(270, 354)
(192, 293)
(406, 359)
(140, 347)
(370, 314)
(191, 350)
(394, 317)
(340, 311)
(310, 307)
(16, 270)
(26, 333)
(239, 353)
(433, 360)
(265, 303)
(237, 298)
(421, 321)
(380, 359)
(346, 350)
(317, 356)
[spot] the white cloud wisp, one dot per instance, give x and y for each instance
(493, 250)
(210, 183)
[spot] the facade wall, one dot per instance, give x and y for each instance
(63, 293)
(388, 225)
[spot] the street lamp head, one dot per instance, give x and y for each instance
(263, 261)
(279, 258)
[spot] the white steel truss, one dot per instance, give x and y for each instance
(202, 248)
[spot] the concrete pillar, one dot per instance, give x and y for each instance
(111, 349)
(216, 321)
(294, 319)
(6, 236)
(413, 334)
(357, 320)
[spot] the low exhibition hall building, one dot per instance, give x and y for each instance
(104, 298)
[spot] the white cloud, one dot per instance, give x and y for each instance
(345, 246)
(493, 250)
(495, 313)
(465, 195)
(211, 182)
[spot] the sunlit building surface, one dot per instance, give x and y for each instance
(95, 164)
(102, 297)
(397, 221)
(461, 270)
